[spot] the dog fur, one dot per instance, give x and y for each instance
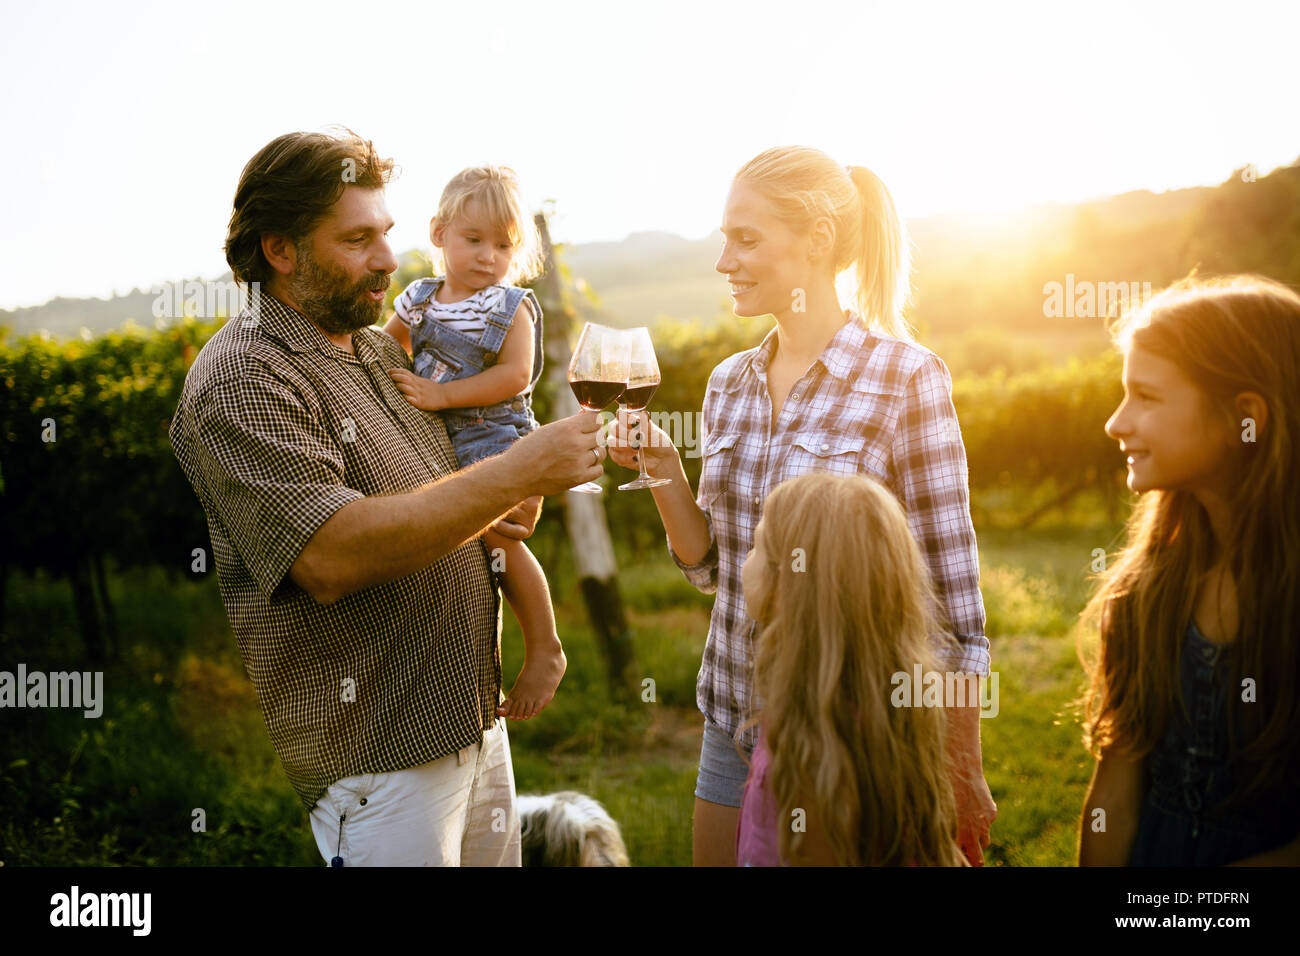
(568, 829)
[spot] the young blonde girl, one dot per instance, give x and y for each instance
(1193, 711)
(842, 597)
(476, 344)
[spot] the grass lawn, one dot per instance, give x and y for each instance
(181, 737)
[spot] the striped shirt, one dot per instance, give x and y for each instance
(468, 316)
(871, 404)
(278, 428)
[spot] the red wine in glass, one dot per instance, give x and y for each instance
(598, 374)
(637, 397)
(595, 395)
(642, 381)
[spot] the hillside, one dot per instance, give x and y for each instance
(978, 281)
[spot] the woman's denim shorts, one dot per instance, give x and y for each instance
(722, 771)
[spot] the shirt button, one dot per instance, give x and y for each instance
(757, 499)
(825, 446)
(795, 396)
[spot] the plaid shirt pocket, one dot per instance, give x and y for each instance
(836, 452)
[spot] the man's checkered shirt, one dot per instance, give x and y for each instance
(278, 428)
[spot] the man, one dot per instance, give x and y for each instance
(346, 542)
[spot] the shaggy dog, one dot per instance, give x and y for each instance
(569, 829)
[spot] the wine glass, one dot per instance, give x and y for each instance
(598, 374)
(642, 380)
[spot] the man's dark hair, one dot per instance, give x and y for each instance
(288, 187)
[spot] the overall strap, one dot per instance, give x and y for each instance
(539, 340)
(500, 320)
(426, 290)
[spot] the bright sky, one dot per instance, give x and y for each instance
(127, 124)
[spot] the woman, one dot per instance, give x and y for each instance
(829, 389)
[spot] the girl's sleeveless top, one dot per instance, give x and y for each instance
(1189, 774)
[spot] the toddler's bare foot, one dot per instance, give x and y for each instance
(535, 686)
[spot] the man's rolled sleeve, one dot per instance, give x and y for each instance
(930, 464)
(273, 472)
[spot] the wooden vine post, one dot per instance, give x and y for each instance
(593, 551)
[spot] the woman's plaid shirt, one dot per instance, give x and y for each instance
(277, 429)
(870, 404)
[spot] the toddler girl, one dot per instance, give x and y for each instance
(476, 346)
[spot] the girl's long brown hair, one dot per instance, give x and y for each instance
(846, 605)
(1229, 335)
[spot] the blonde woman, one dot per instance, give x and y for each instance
(835, 389)
(839, 750)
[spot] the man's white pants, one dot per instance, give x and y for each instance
(459, 810)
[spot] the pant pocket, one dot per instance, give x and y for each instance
(351, 795)
(354, 800)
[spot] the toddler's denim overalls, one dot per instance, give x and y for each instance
(442, 354)
(1180, 824)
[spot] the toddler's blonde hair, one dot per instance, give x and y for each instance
(496, 189)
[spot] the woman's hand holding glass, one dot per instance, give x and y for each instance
(633, 434)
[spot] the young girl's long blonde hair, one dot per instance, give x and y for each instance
(496, 189)
(1228, 335)
(871, 245)
(846, 605)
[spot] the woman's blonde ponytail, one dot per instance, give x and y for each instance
(871, 245)
(882, 258)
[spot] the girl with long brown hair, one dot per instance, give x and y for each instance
(1192, 712)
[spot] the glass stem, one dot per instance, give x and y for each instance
(641, 457)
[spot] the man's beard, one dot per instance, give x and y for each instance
(329, 299)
